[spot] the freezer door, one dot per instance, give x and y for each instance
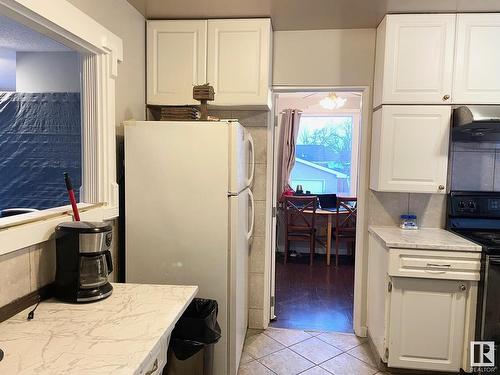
(242, 219)
(242, 159)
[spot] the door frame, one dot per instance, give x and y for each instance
(361, 249)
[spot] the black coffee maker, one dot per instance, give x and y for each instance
(83, 261)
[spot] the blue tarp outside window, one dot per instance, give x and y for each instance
(40, 138)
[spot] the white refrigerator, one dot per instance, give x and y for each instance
(189, 214)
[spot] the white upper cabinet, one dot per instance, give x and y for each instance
(414, 59)
(176, 61)
(410, 148)
(239, 61)
(477, 61)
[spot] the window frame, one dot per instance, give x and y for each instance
(100, 50)
(356, 123)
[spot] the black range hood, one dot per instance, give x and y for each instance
(476, 123)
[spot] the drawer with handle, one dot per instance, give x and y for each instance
(434, 264)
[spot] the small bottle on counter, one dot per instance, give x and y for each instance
(408, 222)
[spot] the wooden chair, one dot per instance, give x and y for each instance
(299, 224)
(345, 224)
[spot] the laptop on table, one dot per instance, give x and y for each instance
(328, 202)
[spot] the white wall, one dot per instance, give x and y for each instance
(324, 57)
(47, 72)
(127, 23)
(7, 70)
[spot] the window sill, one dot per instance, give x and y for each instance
(18, 232)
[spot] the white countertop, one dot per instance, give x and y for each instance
(424, 238)
(112, 336)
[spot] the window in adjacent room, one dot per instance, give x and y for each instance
(40, 119)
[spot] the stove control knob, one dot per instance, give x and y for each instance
(472, 205)
(461, 204)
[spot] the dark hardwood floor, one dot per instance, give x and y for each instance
(314, 298)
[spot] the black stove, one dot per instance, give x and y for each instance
(476, 217)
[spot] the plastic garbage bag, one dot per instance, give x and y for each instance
(196, 328)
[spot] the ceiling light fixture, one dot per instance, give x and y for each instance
(332, 101)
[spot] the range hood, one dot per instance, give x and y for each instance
(476, 123)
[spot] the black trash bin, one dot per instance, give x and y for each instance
(193, 338)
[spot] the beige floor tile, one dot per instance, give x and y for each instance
(286, 362)
(314, 333)
(345, 364)
(316, 371)
(287, 336)
(245, 358)
(315, 350)
(343, 341)
(254, 368)
(253, 332)
(364, 353)
(261, 345)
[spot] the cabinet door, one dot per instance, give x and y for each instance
(477, 72)
(176, 60)
(410, 149)
(427, 324)
(417, 60)
(239, 62)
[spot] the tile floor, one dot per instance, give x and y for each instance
(278, 351)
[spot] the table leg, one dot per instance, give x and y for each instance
(328, 239)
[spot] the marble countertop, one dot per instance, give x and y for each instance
(424, 238)
(112, 336)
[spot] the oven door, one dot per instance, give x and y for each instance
(490, 330)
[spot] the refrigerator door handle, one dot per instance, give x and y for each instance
(252, 152)
(252, 205)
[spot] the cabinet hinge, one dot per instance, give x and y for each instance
(386, 353)
(273, 301)
(274, 212)
(389, 286)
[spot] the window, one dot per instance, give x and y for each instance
(100, 52)
(324, 157)
(40, 120)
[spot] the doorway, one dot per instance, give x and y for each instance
(327, 154)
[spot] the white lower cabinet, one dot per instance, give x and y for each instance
(427, 323)
(421, 306)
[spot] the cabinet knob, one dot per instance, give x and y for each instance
(441, 187)
(446, 97)
(463, 287)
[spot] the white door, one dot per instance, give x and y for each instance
(176, 61)
(427, 324)
(242, 161)
(242, 210)
(410, 149)
(239, 61)
(417, 65)
(477, 69)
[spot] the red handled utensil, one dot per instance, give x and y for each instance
(72, 198)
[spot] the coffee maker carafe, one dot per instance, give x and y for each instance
(83, 261)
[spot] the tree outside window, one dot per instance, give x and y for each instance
(323, 154)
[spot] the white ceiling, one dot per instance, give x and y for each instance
(307, 14)
(308, 102)
(17, 37)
